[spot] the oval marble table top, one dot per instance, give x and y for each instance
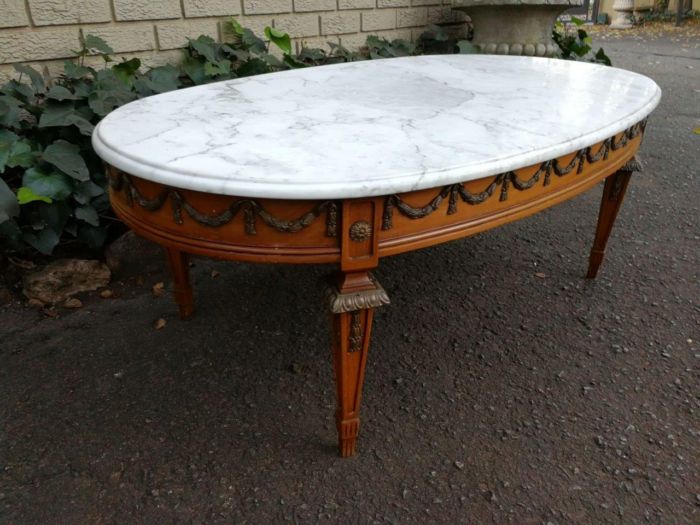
(371, 128)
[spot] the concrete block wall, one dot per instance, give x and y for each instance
(45, 32)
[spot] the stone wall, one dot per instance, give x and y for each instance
(44, 32)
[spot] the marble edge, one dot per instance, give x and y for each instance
(399, 183)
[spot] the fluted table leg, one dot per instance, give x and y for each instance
(178, 263)
(613, 195)
(352, 300)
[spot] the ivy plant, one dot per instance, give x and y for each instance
(575, 44)
(46, 159)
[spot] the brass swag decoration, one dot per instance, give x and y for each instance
(119, 181)
(505, 180)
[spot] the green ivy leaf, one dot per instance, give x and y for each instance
(158, 80)
(93, 236)
(280, 39)
(88, 214)
(26, 195)
(54, 215)
(11, 235)
(83, 125)
(9, 111)
(43, 241)
(220, 67)
(59, 114)
(252, 42)
(194, 69)
(36, 78)
(21, 155)
(601, 57)
(66, 157)
(7, 142)
(236, 27)
(71, 228)
(56, 114)
(75, 71)
(53, 185)
(205, 46)
(126, 70)
(312, 54)
(85, 191)
(293, 62)
(96, 44)
(82, 88)
(61, 93)
(254, 66)
(25, 91)
(103, 102)
(9, 207)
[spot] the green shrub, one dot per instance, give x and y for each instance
(53, 185)
(575, 44)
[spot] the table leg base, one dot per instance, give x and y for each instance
(352, 302)
(348, 431)
(178, 262)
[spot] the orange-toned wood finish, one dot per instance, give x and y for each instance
(178, 263)
(613, 194)
(356, 233)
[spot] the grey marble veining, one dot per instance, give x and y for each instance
(372, 128)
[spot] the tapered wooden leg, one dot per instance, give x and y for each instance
(352, 302)
(613, 195)
(178, 262)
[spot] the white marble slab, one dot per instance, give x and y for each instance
(372, 128)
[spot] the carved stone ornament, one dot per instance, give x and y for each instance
(360, 231)
(515, 27)
(350, 302)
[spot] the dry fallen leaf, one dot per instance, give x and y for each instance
(106, 294)
(73, 302)
(696, 131)
(160, 323)
(540, 275)
(35, 303)
(21, 263)
(140, 280)
(158, 289)
(50, 312)
(214, 274)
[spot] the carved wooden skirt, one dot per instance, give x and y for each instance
(356, 233)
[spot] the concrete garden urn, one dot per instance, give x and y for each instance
(515, 27)
(623, 9)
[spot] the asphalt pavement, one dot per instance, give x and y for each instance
(502, 386)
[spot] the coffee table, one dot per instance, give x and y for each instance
(353, 162)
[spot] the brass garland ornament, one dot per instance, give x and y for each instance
(355, 332)
(252, 210)
(453, 192)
